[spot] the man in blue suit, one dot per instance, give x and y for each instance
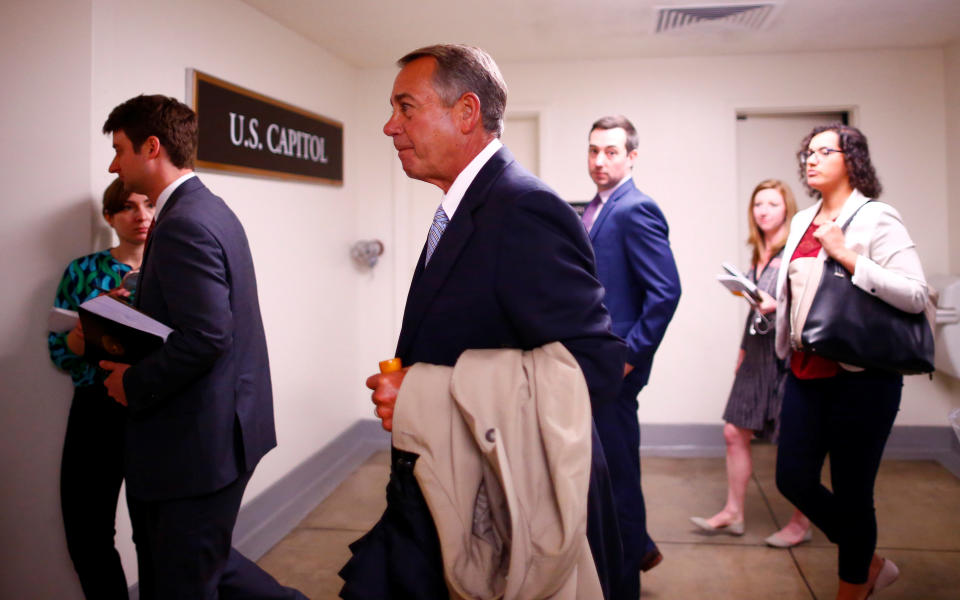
(200, 407)
(636, 267)
(506, 265)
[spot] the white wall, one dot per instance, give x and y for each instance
(44, 222)
(85, 58)
(300, 233)
(952, 80)
(952, 76)
(684, 109)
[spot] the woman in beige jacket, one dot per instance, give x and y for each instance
(828, 407)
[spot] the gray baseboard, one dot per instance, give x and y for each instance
(907, 442)
(913, 442)
(276, 511)
(682, 441)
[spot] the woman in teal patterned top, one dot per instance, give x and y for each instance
(92, 467)
(84, 278)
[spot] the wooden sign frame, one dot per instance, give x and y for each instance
(242, 131)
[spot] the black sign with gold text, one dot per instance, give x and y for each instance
(243, 131)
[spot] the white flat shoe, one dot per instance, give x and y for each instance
(736, 528)
(778, 542)
(888, 574)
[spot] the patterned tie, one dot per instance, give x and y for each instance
(440, 221)
(591, 212)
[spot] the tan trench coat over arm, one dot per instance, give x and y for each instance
(504, 439)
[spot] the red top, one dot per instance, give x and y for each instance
(803, 364)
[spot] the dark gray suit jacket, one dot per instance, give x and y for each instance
(201, 407)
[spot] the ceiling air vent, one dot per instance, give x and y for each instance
(716, 17)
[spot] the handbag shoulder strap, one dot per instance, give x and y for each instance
(847, 224)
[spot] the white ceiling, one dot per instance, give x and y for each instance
(374, 33)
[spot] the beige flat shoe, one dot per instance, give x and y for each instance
(736, 528)
(888, 574)
(778, 542)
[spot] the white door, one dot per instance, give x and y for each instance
(521, 133)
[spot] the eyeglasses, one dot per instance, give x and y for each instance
(820, 152)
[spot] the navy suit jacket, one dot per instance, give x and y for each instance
(636, 267)
(514, 269)
(201, 407)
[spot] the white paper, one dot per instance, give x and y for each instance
(737, 282)
(61, 319)
(118, 311)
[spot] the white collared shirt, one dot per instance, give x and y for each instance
(451, 200)
(168, 191)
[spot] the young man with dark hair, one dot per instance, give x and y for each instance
(642, 288)
(200, 407)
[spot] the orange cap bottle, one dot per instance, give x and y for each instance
(391, 365)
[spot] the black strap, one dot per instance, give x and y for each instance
(847, 224)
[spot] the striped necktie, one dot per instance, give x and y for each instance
(440, 221)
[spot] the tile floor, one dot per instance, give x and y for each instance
(918, 510)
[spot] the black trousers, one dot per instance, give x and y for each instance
(184, 549)
(90, 476)
(849, 417)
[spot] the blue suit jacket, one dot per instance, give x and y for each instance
(201, 407)
(636, 267)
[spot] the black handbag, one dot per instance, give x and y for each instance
(848, 325)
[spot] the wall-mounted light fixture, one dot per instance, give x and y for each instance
(366, 253)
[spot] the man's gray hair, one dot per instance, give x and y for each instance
(462, 69)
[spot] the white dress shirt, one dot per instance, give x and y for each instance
(168, 191)
(451, 200)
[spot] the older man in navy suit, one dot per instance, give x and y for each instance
(506, 265)
(636, 267)
(200, 407)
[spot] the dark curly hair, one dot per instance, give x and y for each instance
(856, 156)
